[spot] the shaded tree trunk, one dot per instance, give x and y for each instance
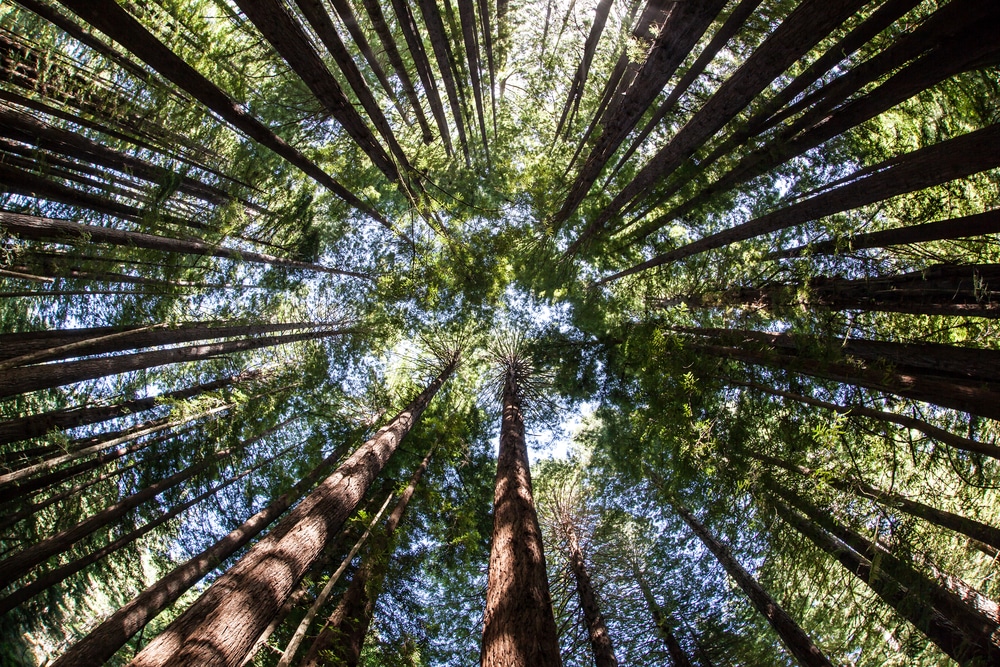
(794, 637)
(111, 19)
(346, 628)
(678, 655)
(519, 628)
(444, 57)
(575, 93)
(250, 593)
(937, 627)
(597, 630)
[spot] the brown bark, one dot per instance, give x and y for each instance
(45, 376)
(484, 21)
(66, 231)
(346, 628)
(64, 419)
(684, 26)
(467, 14)
(809, 23)
(597, 629)
(104, 640)
(374, 11)
(519, 628)
(924, 168)
(734, 22)
(943, 289)
(223, 624)
(955, 228)
(978, 531)
(678, 655)
(442, 53)
(111, 19)
(936, 626)
(575, 93)
(794, 637)
(954, 394)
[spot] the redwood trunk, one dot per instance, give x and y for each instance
(104, 641)
(223, 624)
(794, 637)
(519, 628)
(597, 630)
(677, 653)
(346, 628)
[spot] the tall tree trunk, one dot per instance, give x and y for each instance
(442, 53)
(34, 426)
(467, 14)
(111, 19)
(986, 535)
(519, 628)
(794, 637)
(931, 431)
(677, 653)
(955, 228)
(250, 593)
(923, 168)
(597, 630)
(45, 376)
(346, 628)
(59, 574)
(16, 566)
(937, 627)
(65, 231)
(683, 28)
(943, 289)
(575, 93)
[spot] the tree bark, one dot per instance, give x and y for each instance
(467, 14)
(45, 376)
(575, 93)
(923, 168)
(794, 637)
(682, 30)
(223, 624)
(519, 628)
(65, 231)
(597, 630)
(937, 627)
(678, 655)
(346, 628)
(442, 53)
(111, 19)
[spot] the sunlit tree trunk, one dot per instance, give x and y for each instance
(519, 628)
(345, 630)
(223, 624)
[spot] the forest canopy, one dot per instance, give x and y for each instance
(532, 332)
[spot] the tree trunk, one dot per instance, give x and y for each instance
(988, 536)
(575, 93)
(678, 655)
(923, 168)
(59, 574)
(223, 624)
(938, 628)
(519, 628)
(65, 231)
(931, 431)
(34, 426)
(111, 19)
(794, 637)
(683, 28)
(45, 376)
(597, 630)
(943, 289)
(442, 53)
(346, 628)
(16, 566)
(956, 228)
(467, 14)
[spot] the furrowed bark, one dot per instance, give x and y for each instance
(519, 628)
(223, 624)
